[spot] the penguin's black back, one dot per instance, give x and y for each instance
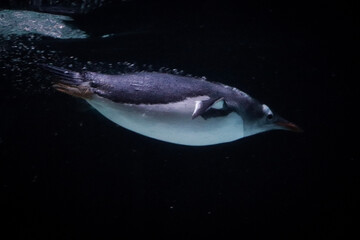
(151, 87)
(141, 87)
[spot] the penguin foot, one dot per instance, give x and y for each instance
(80, 91)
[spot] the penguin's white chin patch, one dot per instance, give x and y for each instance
(172, 122)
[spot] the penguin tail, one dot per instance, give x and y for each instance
(69, 82)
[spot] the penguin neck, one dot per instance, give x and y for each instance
(252, 129)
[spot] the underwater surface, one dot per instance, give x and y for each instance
(67, 172)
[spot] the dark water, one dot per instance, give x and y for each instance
(69, 173)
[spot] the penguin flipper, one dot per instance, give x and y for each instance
(202, 107)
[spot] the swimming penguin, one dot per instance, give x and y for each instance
(172, 108)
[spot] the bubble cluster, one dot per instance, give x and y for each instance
(27, 39)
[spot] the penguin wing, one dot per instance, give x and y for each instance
(213, 107)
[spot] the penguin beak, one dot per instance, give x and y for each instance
(286, 125)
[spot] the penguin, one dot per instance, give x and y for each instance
(172, 108)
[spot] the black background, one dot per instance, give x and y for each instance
(69, 173)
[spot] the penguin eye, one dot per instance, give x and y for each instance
(269, 116)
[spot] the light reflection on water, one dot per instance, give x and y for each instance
(19, 22)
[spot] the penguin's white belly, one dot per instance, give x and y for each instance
(172, 122)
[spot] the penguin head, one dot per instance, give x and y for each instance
(260, 118)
